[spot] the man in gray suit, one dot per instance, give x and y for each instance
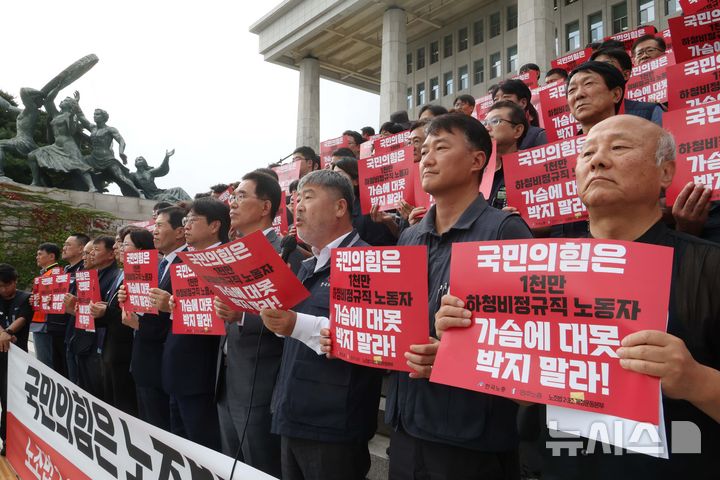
(250, 355)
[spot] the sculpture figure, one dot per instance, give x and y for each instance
(144, 179)
(22, 143)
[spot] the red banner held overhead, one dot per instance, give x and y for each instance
(226, 195)
(696, 35)
(529, 78)
(548, 317)
(378, 304)
(288, 173)
(327, 147)
(88, 291)
(141, 274)
(194, 313)
(386, 179)
(247, 274)
(697, 136)
(540, 183)
(555, 112)
(694, 6)
(572, 60)
(148, 225)
(280, 222)
(694, 82)
(482, 106)
(628, 37)
(384, 145)
(648, 82)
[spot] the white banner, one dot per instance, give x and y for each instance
(57, 431)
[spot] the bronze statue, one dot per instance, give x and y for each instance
(64, 155)
(22, 143)
(144, 178)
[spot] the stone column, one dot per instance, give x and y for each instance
(392, 73)
(308, 126)
(536, 33)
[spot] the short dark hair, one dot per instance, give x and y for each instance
(293, 186)
(333, 181)
(529, 66)
(436, 110)
(618, 54)
(8, 274)
(309, 154)
(658, 40)
(612, 77)
(266, 188)
(142, 239)
(465, 98)
(369, 131)
(202, 195)
(611, 43)
(161, 205)
(520, 90)
(557, 71)
(106, 240)
(475, 133)
(266, 171)
(401, 117)
(125, 229)
(214, 211)
(391, 128)
(492, 89)
(419, 124)
(349, 166)
(219, 188)
(50, 248)
(175, 216)
(355, 135)
(517, 115)
(81, 238)
(343, 152)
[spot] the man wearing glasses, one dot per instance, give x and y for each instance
(647, 48)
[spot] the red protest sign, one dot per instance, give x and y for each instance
(280, 222)
(225, 196)
(540, 183)
(694, 82)
(385, 145)
(287, 174)
(695, 35)
(535, 99)
(141, 274)
(194, 313)
(52, 291)
(385, 179)
(559, 122)
(548, 316)
(572, 60)
(148, 225)
(247, 274)
(422, 198)
(482, 106)
(327, 147)
(648, 81)
(529, 78)
(697, 137)
(88, 291)
(486, 182)
(36, 295)
(378, 304)
(694, 6)
(628, 37)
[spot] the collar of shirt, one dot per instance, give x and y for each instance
(468, 217)
(48, 268)
(268, 230)
(171, 256)
(323, 256)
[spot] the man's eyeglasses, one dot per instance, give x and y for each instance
(646, 51)
(188, 220)
(239, 197)
(494, 122)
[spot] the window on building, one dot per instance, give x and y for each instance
(672, 6)
(462, 39)
(434, 52)
(448, 46)
(409, 63)
(478, 32)
(448, 83)
(463, 78)
(434, 89)
(646, 11)
(572, 35)
(478, 71)
(495, 65)
(420, 94)
(495, 24)
(421, 58)
(409, 98)
(619, 17)
(512, 59)
(595, 27)
(512, 17)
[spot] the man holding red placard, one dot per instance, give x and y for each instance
(45, 349)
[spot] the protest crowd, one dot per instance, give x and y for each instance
(265, 381)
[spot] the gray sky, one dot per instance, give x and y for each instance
(175, 74)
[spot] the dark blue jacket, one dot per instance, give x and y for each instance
(648, 111)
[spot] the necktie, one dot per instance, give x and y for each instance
(161, 269)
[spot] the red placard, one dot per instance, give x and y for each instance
(482, 106)
(535, 99)
(327, 147)
(385, 145)
(548, 316)
(148, 225)
(385, 180)
(628, 37)
(287, 174)
(572, 60)
(555, 112)
(194, 313)
(141, 274)
(540, 183)
(247, 274)
(697, 136)
(422, 198)
(52, 290)
(378, 304)
(36, 295)
(225, 196)
(694, 82)
(694, 6)
(88, 291)
(280, 222)
(486, 182)
(648, 82)
(695, 35)
(529, 78)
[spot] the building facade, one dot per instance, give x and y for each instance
(415, 52)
